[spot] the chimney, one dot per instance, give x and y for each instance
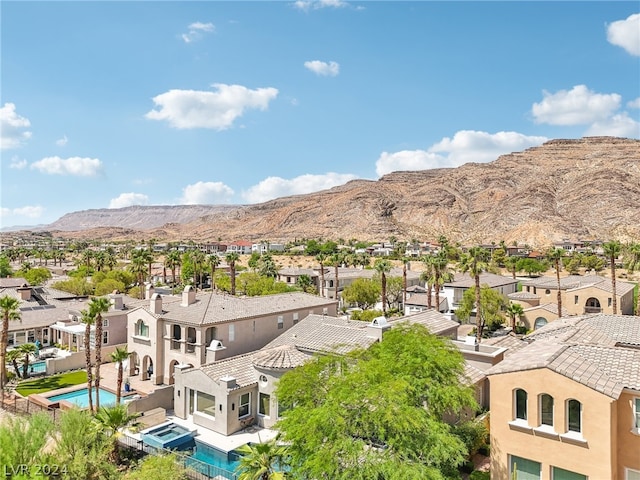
(188, 296)
(25, 292)
(149, 291)
(215, 351)
(377, 327)
(116, 300)
(156, 304)
(228, 381)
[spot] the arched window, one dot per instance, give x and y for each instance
(521, 404)
(142, 329)
(574, 416)
(546, 410)
(540, 322)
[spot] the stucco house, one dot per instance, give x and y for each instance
(454, 291)
(567, 405)
(173, 332)
(580, 294)
(227, 395)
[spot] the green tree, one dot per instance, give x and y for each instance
(555, 256)
(475, 263)
(305, 283)
(98, 306)
(612, 250)
(119, 355)
(321, 258)
(395, 291)
(377, 413)
(253, 261)
(13, 356)
(514, 310)
(173, 261)
(10, 310)
(214, 262)
(5, 267)
(492, 304)
(336, 261)
(511, 264)
(267, 266)
(531, 266)
(77, 286)
(383, 267)
(108, 285)
(26, 350)
(111, 420)
(22, 441)
(138, 267)
(37, 276)
(363, 292)
(158, 466)
(262, 461)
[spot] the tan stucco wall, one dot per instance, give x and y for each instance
(625, 302)
(596, 458)
(529, 317)
(628, 442)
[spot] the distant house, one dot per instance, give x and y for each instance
(264, 247)
(290, 275)
(240, 247)
(454, 291)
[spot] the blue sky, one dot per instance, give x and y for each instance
(110, 104)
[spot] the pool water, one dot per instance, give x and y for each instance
(81, 397)
(213, 462)
(169, 436)
(38, 367)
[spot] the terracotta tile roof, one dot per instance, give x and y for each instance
(598, 351)
(522, 296)
(434, 321)
(510, 342)
(549, 307)
(572, 282)
(464, 280)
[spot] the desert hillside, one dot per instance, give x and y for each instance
(584, 188)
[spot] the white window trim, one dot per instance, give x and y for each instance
(627, 471)
(572, 433)
(553, 413)
(635, 404)
(240, 405)
(520, 421)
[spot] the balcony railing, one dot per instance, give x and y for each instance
(592, 309)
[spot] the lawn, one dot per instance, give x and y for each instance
(54, 382)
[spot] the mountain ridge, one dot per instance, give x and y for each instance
(565, 188)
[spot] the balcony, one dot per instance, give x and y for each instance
(592, 309)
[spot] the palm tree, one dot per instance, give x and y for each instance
(305, 283)
(514, 310)
(383, 267)
(231, 259)
(119, 355)
(198, 259)
(98, 306)
(633, 263)
(88, 318)
(511, 263)
(321, 258)
(441, 273)
(111, 419)
(138, 267)
(427, 277)
(612, 251)
(26, 350)
(336, 261)
(262, 461)
(214, 262)
(172, 261)
(10, 309)
(475, 261)
(13, 356)
(405, 262)
(555, 255)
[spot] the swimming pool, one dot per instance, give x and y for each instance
(213, 462)
(38, 367)
(81, 397)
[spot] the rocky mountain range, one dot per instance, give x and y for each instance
(585, 188)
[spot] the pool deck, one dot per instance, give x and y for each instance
(252, 434)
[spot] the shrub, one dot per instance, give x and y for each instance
(478, 475)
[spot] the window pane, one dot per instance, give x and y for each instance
(547, 409)
(521, 404)
(524, 469)
(637, 412)
(243, 409)
(206, 403)
(574, 416)
(263, 407)
(633, 474)
(561, 474)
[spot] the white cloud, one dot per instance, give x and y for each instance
(323, 68)
(578, 106)
(626, 34)
(12, 127)
(62, 141)
(17, 163)
(77, 166)
(620, 125)
(465, 146)
(634, 103)
(30, 211)
(206, 193)
(306, 5)
(196, 31)
(275, 187)
(129, 199)
(217, 110)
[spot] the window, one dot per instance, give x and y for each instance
(521, 404)
(280, 322)
(105, 322)
(264, 404)
(546, 410)
(232, 332)
(105, 338)
(206, 403)
(295, 318)
(574, 416)
(636, 415)
(609, 301)
(142, 329)
(176, 335)
(547, 292)
(31, 336)
(282, 407)
(524, 469)
(575, 299)
(632, 474)
(243, 407)
(562, 474)
(325, 311)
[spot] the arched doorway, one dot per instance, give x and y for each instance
(134, 364)
(592, 306)
(540, 322)
(172, 369)
(147, 368)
